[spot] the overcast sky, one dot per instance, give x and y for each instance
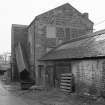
(24, 11)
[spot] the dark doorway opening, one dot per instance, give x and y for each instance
(25, 75)
(61, 67)
(50, 76)
(25, 80)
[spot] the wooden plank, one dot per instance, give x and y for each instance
(66, 74)
(66, 77)
(65, 90)
(21, 63)
(65, 84)
(66, 87)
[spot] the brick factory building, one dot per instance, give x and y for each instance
(44, 33)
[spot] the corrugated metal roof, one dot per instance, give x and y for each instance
(92, 45)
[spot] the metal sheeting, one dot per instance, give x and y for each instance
(19, 58)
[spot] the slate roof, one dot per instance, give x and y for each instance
(91, 45)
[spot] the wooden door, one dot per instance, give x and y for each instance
(50, 76)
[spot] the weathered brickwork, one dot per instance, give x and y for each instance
(67, 21)
(89, 76)
(55, 27)
(47, 31)
(31, 44)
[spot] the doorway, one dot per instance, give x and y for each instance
(49, 74)
(61, 67)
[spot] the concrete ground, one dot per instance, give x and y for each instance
(6, 98)
(51, 97)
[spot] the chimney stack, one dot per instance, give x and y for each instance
(85, 15)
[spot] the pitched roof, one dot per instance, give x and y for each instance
(91, 45)
(66, 5)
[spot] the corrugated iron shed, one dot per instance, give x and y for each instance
(91, 45)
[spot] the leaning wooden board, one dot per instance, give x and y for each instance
(66, 82)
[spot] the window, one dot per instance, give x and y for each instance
(40, 69)
(67, 32)
(77, 32)
(51, 32)
(60, 35)
(60, 32)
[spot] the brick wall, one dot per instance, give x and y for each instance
(55, 27)
(67, 21)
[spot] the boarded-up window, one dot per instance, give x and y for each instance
(51, 32)
(67, 31)
(77, 33)
(60, 32)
